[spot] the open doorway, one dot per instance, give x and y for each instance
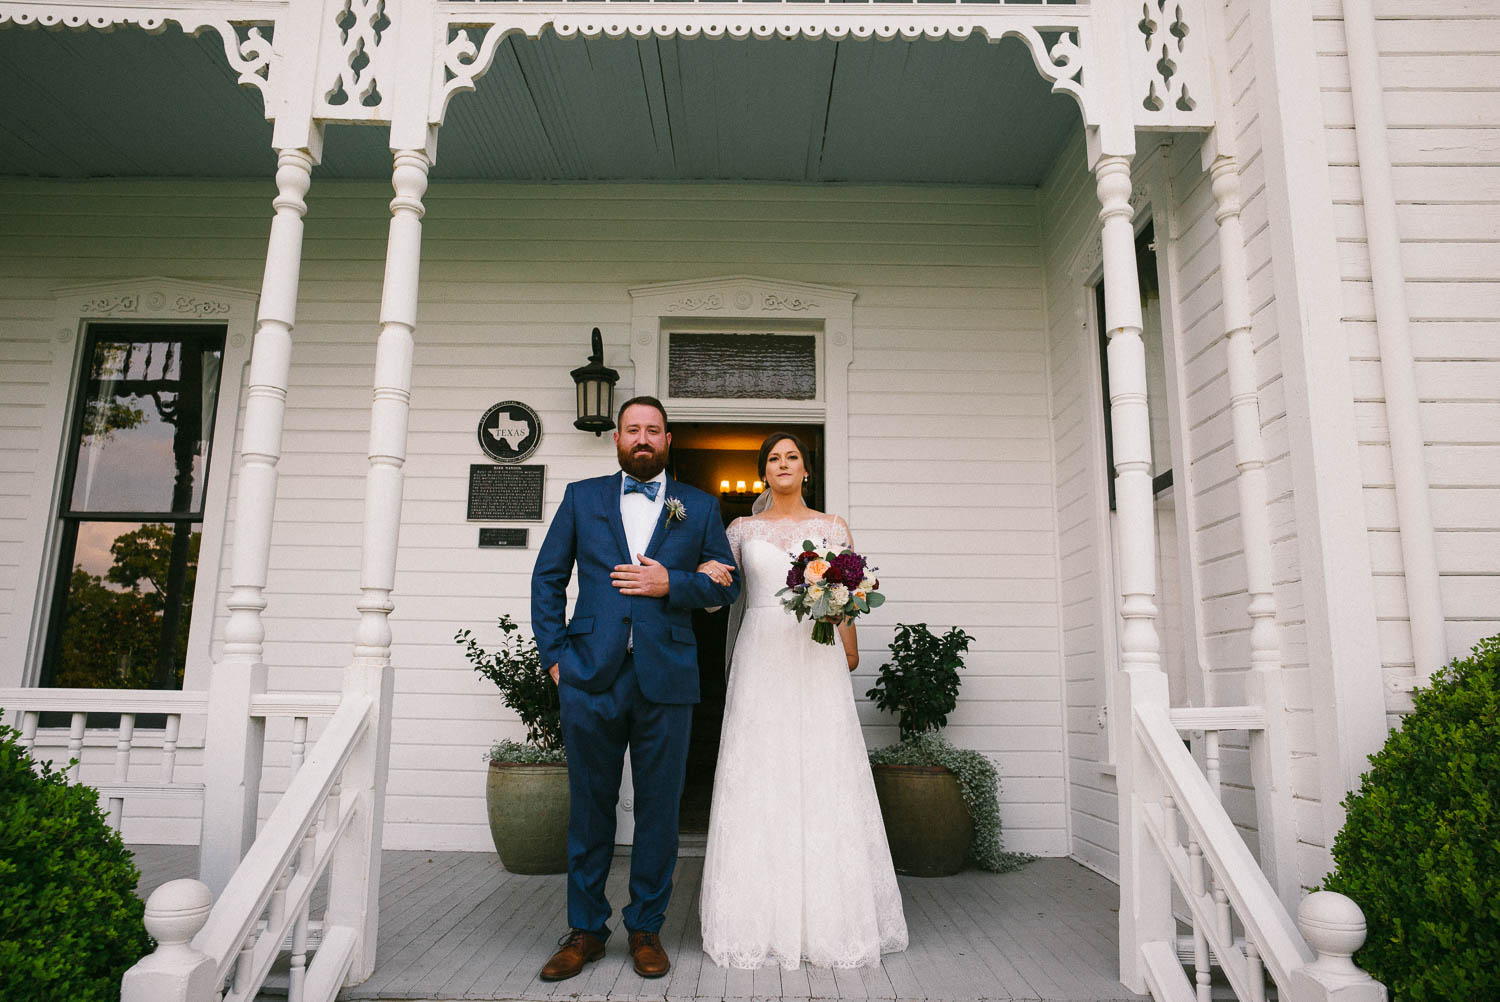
(720, 458)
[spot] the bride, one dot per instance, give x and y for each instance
(797, 866)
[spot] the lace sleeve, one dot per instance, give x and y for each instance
(736, 534)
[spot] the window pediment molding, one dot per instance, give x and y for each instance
(155, 298)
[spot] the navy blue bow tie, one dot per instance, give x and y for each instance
(648, 487)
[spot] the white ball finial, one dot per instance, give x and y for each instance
(176, 911)
(1334, 927)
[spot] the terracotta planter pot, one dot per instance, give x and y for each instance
(528, 806)
(926, 820)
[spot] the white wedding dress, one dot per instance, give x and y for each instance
(797, 867)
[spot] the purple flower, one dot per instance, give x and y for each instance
(794, 576)
(847, 569)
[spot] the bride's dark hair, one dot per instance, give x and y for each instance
(782, 436)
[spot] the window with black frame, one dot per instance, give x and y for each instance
(132, 506)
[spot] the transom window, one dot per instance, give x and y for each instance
(132, 506)
(718, 365)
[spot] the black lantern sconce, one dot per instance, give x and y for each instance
(596, 391)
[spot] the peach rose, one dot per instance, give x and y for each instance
(814, 571)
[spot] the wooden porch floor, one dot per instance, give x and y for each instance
(455, 925)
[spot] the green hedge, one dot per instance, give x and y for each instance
(1420, 851)
(70, 921)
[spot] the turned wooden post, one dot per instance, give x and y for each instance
(234, 743)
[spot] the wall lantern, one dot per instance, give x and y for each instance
(596, 391)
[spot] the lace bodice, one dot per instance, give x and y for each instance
(765, 575)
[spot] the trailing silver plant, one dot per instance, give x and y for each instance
(979, 784)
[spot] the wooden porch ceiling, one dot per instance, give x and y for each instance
(128, 104)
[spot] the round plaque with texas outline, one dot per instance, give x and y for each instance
(510, 431)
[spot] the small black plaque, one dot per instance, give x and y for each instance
(506, 493)
(503, 537)
(509, 432)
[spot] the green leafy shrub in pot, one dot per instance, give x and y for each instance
(70, 921)
(920, 685)
(516, 669)
(1420, 849)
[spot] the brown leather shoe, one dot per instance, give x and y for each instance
(576, 949)
(649, 955)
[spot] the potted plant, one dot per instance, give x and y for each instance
(940, 803)
(527, 789)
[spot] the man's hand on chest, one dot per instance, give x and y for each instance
(648, 578)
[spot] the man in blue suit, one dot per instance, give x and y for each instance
(626, 667)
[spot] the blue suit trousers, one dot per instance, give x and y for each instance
(597, 727)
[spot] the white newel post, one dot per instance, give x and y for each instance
(1271, 754)
(235, 740)
(355, 883)
(1145, 883)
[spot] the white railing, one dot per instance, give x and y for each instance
(1184, 840)
(129, 704)
(134, 773)
(225, 949)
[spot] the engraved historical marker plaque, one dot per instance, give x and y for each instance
(503, 537)
(506, 493)
(509, 432)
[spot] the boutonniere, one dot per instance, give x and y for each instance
(676, 510)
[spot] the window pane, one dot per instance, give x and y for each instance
(148, 412)
(128, 603)
(769, 366)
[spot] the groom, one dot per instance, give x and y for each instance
(626, 669)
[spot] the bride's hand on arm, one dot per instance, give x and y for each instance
(721, 574)
(851, 644)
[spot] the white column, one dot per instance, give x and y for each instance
(355, 881)
(1424, 601)
(1271, 752)
(234, 741)
(1145, 882)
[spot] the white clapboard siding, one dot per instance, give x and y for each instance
(1441, 95)
(950, 472)
(1069, 208)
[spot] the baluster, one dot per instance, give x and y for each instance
(278, 897)
(75, 746)
(244, 963)
(1169, 819)
(1211, 764)
(169, 747)
(1221, 910)
(1202, 973)
(28, 730)
(299, 743)
(1255, 971)
(331, 807)
(1195, 868)
(122, 768)
(298, 970)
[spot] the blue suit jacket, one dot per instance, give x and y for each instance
(589, 648)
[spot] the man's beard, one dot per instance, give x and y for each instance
(642, 465)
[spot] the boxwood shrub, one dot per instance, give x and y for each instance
(70, 921)
(1420, 851)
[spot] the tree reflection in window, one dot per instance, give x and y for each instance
(131, 521)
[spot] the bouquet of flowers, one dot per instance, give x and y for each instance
(829, 588)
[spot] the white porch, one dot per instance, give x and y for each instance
(334, 805)
(457, 926)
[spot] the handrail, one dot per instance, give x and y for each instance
(204, 944)
(238, 909)
(1268, 924)
(1308, 964)
(103, 700)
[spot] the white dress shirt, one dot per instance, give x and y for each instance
(640, 513)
